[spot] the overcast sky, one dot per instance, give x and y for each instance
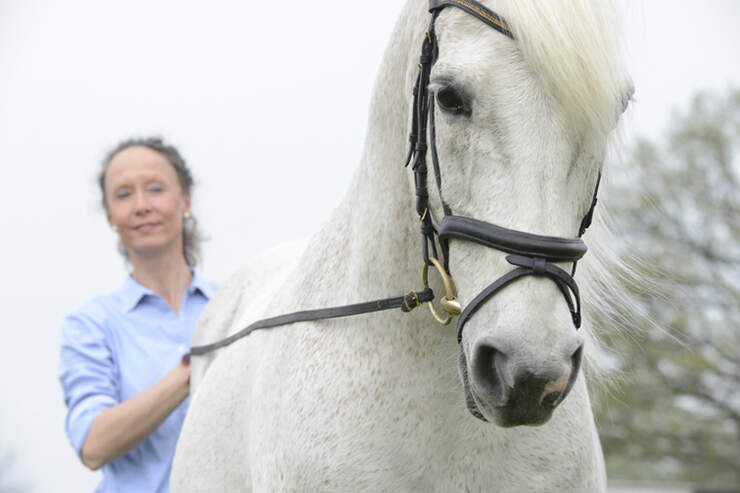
(268, 104)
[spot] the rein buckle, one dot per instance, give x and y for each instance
(411, 301)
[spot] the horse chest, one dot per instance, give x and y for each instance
(378, 415)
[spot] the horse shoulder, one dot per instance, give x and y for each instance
(240, 300)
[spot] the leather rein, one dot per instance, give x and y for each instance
(531, 254)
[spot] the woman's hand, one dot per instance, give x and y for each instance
(120, 428)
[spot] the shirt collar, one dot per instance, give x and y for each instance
(132, 292)
(200, 284)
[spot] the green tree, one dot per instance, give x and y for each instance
(675, 414)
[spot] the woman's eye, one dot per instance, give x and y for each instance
(156, 189)
(122, 194)
(449, 100)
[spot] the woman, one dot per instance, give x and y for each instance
(124, 380)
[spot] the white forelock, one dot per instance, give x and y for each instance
(575, 48)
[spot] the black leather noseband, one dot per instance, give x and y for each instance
(512, 241)
(533, 256)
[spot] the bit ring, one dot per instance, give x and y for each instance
(449, 302)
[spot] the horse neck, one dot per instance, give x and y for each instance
(375, 230)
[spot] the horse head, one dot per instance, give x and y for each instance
(519, 119)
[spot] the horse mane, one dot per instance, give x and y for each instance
(575, 48)
(608, 304)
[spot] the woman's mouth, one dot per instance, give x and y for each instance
(145, 228)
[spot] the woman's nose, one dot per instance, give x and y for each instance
(142, 203)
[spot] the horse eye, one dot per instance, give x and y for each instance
(450, 100)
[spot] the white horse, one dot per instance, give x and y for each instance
(375, 402)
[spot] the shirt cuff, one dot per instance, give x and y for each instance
(81, 423)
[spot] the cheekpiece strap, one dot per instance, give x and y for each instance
(476, 10)
(586, 221)
(418, 144)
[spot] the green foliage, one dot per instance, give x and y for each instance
(675, 414)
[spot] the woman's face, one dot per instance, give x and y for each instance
(146, 204)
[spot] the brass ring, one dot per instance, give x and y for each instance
(449, 302)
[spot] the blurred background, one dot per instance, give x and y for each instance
(268, 102)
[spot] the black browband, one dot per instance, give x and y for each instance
(531, 254)
(477, 10)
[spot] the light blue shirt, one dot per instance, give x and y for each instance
(114, 347)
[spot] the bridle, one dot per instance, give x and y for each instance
(531, 254)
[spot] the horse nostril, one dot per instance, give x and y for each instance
(555, 391)
(490, 372)
(551, 399)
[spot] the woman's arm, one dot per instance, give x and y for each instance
(119, 428)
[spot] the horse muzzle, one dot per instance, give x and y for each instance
(515, 387)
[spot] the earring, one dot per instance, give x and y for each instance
(114, 228)
(187, 214)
